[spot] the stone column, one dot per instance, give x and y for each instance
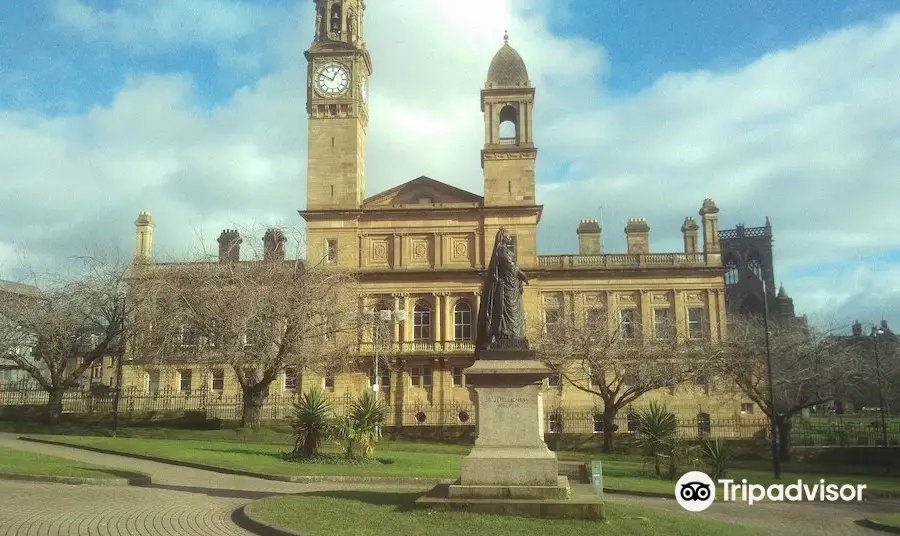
(712, 314)
(407, 320)
(395, 324)
(646, 316)
(722, 315)
(436, 318)
(680, 311)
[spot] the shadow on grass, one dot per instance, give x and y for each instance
(403, 501)
(119, 474)
(216, 492)
(245, 452)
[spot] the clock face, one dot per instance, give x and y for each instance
(332, 79)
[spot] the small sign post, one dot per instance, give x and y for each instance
(597, 477)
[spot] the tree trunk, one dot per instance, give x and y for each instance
(253, 400)
(784, 426)
(609, 418)
(54, 405)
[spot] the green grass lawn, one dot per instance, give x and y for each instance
(19, 462)
(437, 460)
(391, 513)
(889, 519)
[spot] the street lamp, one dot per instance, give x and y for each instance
(383, 316)
(776, 460)
(875, 333)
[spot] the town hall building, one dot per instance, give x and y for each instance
(420, 248)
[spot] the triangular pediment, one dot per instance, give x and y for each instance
(423, 191)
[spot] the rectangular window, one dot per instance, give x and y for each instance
(97, 372)
(415, 376)
(595, 318)
(514, 246)
(422, 323)
(747, 408)
(291, 379)
(190, 336)
(457, 376)
(427, 376)
(555, 380)
(153, 381)
(329, 381)
(695, 323)
(628, 320)
(555, 423)
(662, 324)
(701, 380)
(462, 322)
(332, 253)
(551, 318)
(218, 380)
(385, 374)
(184, 381)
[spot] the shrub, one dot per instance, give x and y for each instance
(312, 423)
(358, 432)
(658, 434)
(718, 456)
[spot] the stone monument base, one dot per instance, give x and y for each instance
(504, 491)
(583, 504)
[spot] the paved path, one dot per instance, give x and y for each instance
(188, 502)
(181, 501)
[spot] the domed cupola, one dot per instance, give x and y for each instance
(507, 68)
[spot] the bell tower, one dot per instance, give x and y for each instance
(339, 67)
(509, 155)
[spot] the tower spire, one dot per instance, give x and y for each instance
(505, 37)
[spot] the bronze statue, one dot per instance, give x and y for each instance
(501, 318)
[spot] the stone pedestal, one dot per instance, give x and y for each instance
(510, 458)
(510, 470)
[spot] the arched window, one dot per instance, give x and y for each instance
(509, 126)
(731, 271)
(462, 321)
(422, 322)
(754, 264)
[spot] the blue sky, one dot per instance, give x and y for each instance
(195, 110)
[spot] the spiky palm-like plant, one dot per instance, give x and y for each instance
(717, 455)
(312, 422)
(658, 428)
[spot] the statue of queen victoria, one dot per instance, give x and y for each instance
(501, 318)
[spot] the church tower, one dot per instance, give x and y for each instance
(339, 67)
(509, 154)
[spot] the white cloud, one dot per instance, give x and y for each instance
(808, 136)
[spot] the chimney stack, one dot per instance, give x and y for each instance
(143, 251)
(590, 238)
(709, 214)
(273, 245)
(689, 230)
(230, 246)
(637, 236)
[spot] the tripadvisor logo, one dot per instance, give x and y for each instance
(695, 491)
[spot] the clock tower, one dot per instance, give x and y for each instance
(338, 72)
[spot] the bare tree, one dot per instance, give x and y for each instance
(616, 363)
(809, 367)
(60, 331)
(262, 317)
